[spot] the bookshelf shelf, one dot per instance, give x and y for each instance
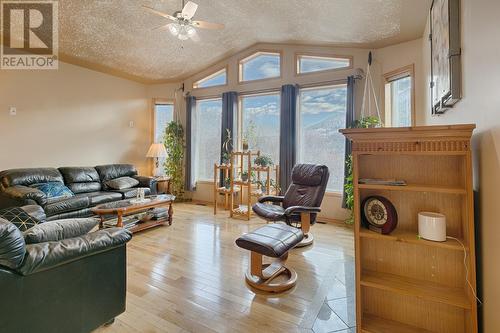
(410, 238)
(415, 188)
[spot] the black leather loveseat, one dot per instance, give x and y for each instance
(88, 185)
(67, 280)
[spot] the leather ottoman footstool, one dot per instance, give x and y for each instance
(273, 240)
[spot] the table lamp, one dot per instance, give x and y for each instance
(157, 151)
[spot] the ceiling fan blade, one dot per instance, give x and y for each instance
(189, 10)
(208, 25)
(170, 17)
(195, 37)
(162, 27)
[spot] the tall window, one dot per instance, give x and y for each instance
(399, 97)
(206, 137)
(163, 114)
(322, 112)
(260, 123)
(260, 65)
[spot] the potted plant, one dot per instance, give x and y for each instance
(245, 144)
(263, 161)
(244, 176)
(227, 183)
(365, 122)
(174, 163)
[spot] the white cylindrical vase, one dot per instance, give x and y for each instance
(432, 226)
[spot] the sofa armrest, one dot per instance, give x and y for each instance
(271, 198)
(24, 194)
(44, 256)
(59, 229)
(149, 182)
(301, 209)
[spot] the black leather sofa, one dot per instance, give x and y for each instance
(63, 284)
(87, 183)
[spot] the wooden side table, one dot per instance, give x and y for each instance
(163, 185)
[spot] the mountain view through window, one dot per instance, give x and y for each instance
(322, 112)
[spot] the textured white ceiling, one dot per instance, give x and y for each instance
(117, 35)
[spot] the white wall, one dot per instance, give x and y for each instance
(72, 117)
(480, 105)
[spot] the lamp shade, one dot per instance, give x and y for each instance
(157, 150)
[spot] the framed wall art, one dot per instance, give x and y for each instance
(446, 80)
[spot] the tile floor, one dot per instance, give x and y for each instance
(338, 311)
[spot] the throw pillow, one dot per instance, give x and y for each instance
(17, 216)
(122, 183)
(58, 230)
(54, 191)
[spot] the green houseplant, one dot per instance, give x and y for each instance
(365, 122)
(263, 161)
(174, 168)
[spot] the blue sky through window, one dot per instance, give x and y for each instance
(216, 79)
(310, 64)
(262, 66)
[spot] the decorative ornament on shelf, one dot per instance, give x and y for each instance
(379, 214)
(263, 161)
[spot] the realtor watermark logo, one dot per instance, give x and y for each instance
(29, 35)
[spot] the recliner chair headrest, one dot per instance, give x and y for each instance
(309, 174)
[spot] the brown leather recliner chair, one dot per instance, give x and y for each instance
(301, 202)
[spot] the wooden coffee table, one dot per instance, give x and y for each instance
(120, 209)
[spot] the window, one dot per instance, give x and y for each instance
(163, 114)
(206, 137)
(260, 65)
(399, 98)
(322, 112)
(311, 64)
(216, 79)
(260, 123)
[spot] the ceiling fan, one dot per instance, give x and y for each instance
(183, 25)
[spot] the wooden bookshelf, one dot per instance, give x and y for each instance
(404, 283)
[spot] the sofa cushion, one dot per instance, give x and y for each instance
(19, 217)
(121, 183)
(59, 230)
(67, 205)
(12, 246)
(112, 171)
(53, 190)
(29, 176)
(132, 192)
(81, 179)
(97, 198)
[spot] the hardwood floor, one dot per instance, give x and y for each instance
(189, 277)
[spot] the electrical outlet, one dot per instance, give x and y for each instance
(13, 111)
(131, 124)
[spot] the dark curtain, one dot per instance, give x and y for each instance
(287, 134)
(350, 116)
(190, 107)
(229, 109)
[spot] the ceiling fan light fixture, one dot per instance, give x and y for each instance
(174, 28)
